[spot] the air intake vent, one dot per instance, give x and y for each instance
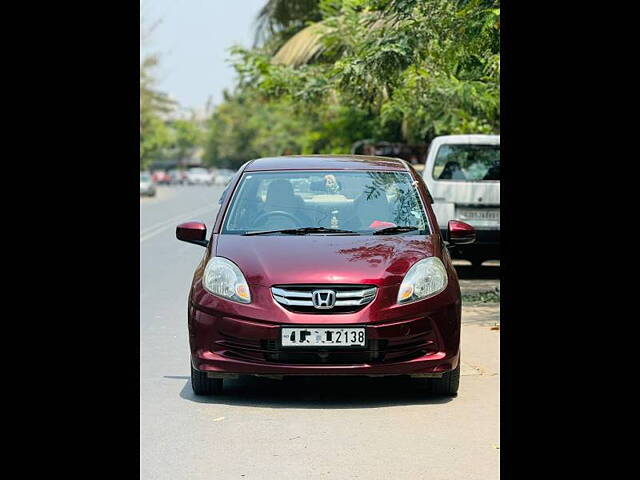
(323, 299)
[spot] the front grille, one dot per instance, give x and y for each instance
(299, 298)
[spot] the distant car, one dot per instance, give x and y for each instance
(161, 177)
(147, 188)
(199, 176)
(177, 177)
(223, 176)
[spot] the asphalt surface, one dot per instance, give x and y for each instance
(311, 428)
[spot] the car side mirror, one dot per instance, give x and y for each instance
(460, 233)
(192, 232)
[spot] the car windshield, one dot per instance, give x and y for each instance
(198, 170)
(359, 202)
(470, 163)
(144, 178)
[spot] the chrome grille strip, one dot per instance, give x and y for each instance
(297, 303)
(290, 293)
(352, 303)
(357, 293)
(354, 297)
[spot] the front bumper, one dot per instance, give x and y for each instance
(414, 341)
(218, 365)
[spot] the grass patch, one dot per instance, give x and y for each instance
(492, 296)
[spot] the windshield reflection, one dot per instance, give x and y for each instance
(360, 201)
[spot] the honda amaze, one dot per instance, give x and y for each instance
(325, 265)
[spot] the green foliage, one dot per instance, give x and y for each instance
(490, 296)
(187, 136)
(162, 138)
(247, 125)
(154, 133)
(332, 72)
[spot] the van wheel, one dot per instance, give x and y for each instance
(202, 385)
(448, 384)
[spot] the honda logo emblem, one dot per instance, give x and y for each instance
(323, 299)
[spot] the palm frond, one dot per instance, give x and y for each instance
(306, 45)
(277, 15)
(302, 48)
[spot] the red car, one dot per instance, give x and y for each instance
(161, 177)
(325, 265)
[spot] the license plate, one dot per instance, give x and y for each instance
(479, 214)
(323, 337)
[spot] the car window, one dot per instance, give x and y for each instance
(361, 201)
(465, 162)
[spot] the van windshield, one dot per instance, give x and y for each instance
(361, 202)
(467, 163)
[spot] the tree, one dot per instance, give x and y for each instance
(187, 136)
(154, 104)
(430, 65)
(279, 19)
(331, 72)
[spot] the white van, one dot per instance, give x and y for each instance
(462, 173)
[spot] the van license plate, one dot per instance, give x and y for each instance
(479, 214)
(323, 337)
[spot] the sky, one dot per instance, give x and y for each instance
(193, 38)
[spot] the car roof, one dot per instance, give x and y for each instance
(326, 162)
(475, 138)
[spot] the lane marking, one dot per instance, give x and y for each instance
(154, 230)
(177, 217)
(162, 228)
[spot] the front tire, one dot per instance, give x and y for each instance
(448, 384)
(202, 385)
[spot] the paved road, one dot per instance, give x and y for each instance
(306, 428)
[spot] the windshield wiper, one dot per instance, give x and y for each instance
(302, 231)
(392, 230)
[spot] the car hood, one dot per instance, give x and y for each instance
(282, 259)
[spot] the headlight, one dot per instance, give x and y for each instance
(223, 278)
(425, 279)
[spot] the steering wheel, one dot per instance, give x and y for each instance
(280, 213)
